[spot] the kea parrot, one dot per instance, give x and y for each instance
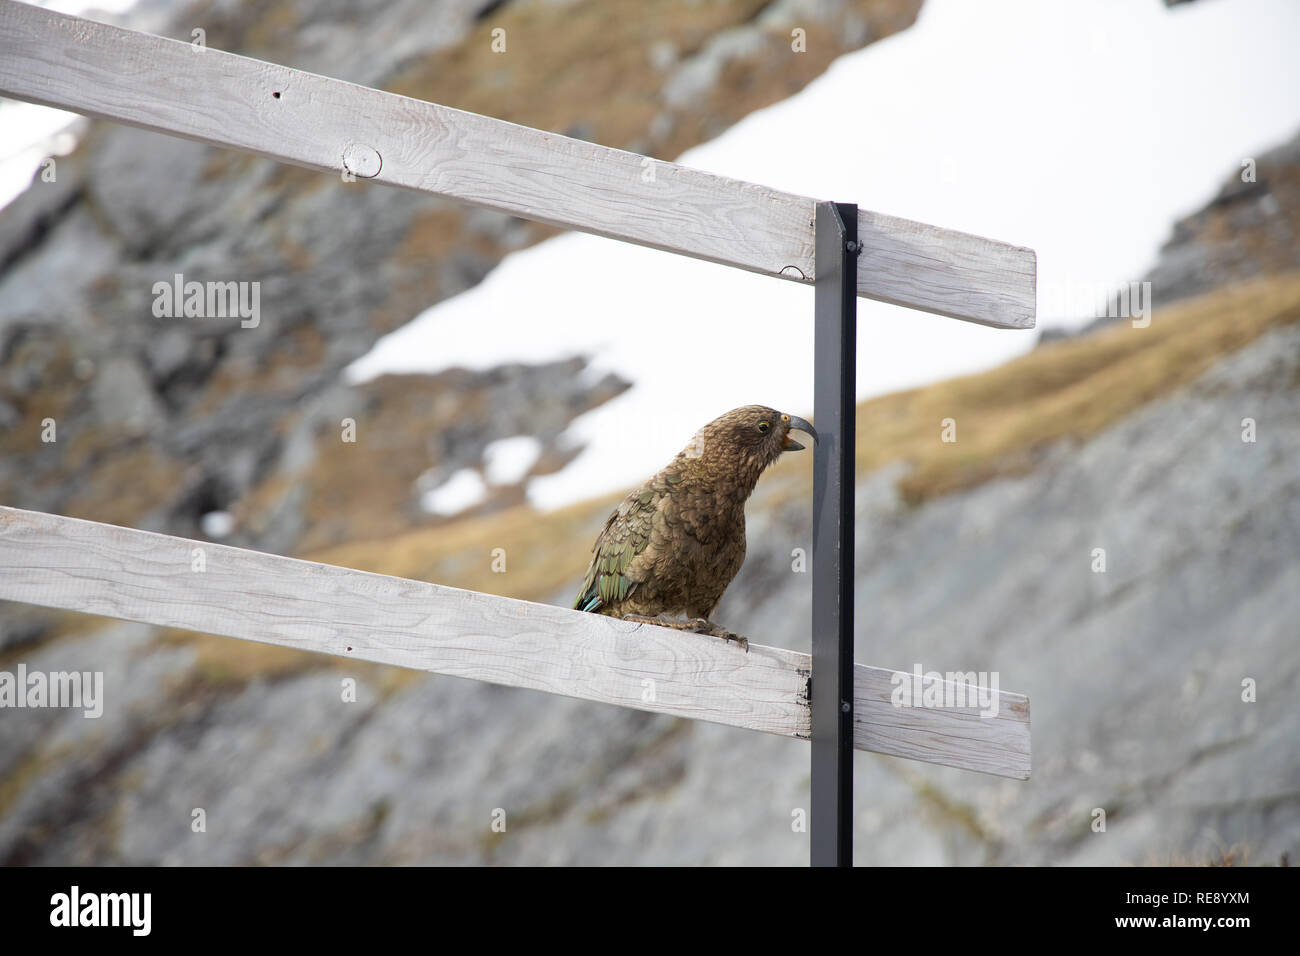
(673, 545)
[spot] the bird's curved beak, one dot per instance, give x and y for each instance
(788, 443)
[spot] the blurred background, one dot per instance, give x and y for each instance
(510, 383)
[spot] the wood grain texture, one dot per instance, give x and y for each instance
(308, 120)
(141, 576)
(942, 735)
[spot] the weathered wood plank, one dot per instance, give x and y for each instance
(942, 735)
(947, 272)
(135, 575)
(308, 120)
(141, 576)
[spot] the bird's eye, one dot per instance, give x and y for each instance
(764, 427)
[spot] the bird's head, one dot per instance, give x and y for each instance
(750, 437)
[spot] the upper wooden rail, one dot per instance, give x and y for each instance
(141, 576)
(313, 121)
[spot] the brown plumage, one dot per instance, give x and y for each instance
(673, 545)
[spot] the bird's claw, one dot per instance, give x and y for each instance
(698, 625)
(702, 626)
(740, 639)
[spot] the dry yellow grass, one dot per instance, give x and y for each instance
(1068, 390)
(543, 553)
(596, 67)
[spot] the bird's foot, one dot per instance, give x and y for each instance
(697, 625)
(702, 625)
(647, 619)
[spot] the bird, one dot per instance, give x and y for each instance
(671, 547)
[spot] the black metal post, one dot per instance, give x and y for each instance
(834, 412)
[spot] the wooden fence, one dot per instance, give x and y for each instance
(234, 102)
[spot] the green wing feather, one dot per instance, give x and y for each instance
(611, 577)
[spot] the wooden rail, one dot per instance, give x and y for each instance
(321, 123)
(141, 576)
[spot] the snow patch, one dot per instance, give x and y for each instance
(462, 490)
(507, 460)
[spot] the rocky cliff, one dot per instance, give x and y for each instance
(981, 554)
(161, 422)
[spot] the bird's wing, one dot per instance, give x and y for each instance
(615, 573)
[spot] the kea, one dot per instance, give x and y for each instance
(672, 546)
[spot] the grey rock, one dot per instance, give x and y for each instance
(122, 395)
